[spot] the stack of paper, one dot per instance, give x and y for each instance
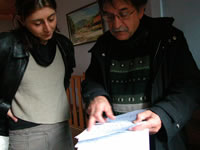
(114, 135)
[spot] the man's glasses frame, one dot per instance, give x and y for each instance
(122, 16)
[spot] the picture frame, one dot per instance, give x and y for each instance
(85, 24)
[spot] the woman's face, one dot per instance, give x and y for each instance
(42, 23)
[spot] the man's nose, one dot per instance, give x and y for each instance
(117, 22)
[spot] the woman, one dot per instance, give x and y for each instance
(36, 64)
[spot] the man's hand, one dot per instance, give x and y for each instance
(152, 122)
(96, 108)
(10, 114)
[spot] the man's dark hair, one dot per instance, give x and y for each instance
(136, 3)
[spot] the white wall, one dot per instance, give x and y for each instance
(156, 8)
(186, 15)
(187, 18)
(81, 51)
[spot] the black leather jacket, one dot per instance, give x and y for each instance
(13, 63)
(175, 80)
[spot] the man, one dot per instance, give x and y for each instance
(142, 63)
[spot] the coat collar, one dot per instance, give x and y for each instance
(18, 50)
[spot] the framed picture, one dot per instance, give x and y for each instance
(85, 24)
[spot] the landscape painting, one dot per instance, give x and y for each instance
(85, 24)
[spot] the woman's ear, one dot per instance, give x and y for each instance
(19, 19)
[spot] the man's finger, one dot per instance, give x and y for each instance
(142, 116)
(110, 114)
(140, 126)
(98, 114)
(91, 122)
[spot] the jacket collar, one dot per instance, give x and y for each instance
(20, 52)
(18, 49)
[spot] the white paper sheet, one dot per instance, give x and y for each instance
(128, 140)
(114, 134)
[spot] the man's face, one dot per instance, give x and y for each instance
(122, 18)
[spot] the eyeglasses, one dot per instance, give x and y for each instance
(122, 16)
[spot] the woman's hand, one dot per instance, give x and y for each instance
(10, 114)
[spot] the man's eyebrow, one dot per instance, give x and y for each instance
(122, 9)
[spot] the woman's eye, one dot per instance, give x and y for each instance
(51, 18)
(37, 23)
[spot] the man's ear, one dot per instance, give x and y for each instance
(141, 11)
